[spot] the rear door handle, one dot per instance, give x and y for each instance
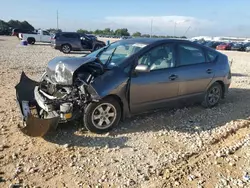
(209, 71)
(173, 77)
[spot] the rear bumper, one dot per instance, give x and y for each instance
(53, 45)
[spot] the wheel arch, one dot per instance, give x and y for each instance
(66, 44)
(119, 100)
(31, 38)
(222, 86)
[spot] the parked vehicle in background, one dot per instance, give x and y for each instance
(215, 44)
(237, 46)
(244, 46)
(247, 48)
(93, 37)
(73, 41)
(40, 36)
(224, 46)
(126, 37)
(16, 31)
(122, 79)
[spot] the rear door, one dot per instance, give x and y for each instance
(195, 71)
(73, 39)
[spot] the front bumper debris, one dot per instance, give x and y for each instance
(34, 124)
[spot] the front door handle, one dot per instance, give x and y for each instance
(172, 77)
(209, 71)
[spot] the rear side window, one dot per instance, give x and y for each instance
(211, 56)
(189, 55)
(70, 35)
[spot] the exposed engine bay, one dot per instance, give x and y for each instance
(60, 96)
(67, 100)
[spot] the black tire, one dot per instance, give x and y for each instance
(31, 41)
(213, 96)
(66, 48)
(92, 108)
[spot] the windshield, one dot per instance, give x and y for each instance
(117, 52)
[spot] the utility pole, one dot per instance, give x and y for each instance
(187, 30)
(151, 28)
(57, 20)
(174, 28)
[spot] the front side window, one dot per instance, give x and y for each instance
(189, 55)
(45, 33)
(160, 57)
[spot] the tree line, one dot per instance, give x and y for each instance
(6, 28)
(124, 32)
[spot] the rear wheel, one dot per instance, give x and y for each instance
(213, 96)
(66, 48)
(101, 117)
(31, 41)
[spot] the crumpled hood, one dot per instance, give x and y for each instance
(61, 69)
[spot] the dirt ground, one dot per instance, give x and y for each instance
(187, 147)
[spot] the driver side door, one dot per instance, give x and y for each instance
(152, 90)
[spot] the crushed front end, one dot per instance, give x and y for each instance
(60, 96)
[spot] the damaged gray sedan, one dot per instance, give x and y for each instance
(124, 78)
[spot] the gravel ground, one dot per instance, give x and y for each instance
(187, 147)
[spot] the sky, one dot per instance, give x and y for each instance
(168, 17)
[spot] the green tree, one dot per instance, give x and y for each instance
(4, 28)
(122, 32)
(83, 31)
(146, 35)
(20, 25)
(26, 25)
(98, 32)
(53, 30)
(136, 34)
(106, 31)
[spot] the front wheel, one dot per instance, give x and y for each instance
(101, 117)
(213, 96)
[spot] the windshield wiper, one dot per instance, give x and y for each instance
(110, 57)
(99, 53)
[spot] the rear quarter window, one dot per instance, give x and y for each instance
(212, 56)
(190, 55)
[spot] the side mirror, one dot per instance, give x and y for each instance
(142, 68)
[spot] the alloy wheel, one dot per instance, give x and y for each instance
(104, 115)
(214, 95)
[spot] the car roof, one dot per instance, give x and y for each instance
(154, 40)
(68, 32)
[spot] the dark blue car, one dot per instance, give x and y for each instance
(122, 79)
